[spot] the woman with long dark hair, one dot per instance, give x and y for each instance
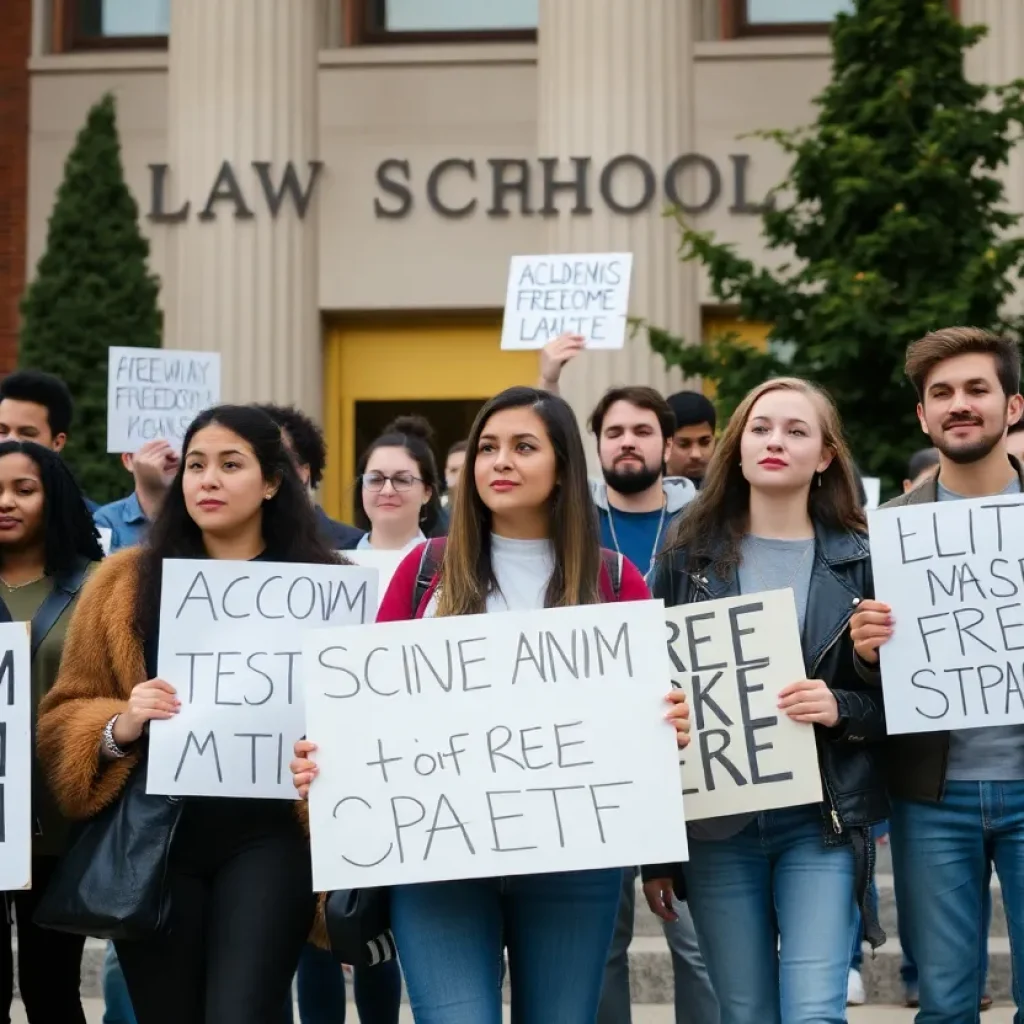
(48, 546)
(240, 885)
(524, 537)
(399, 501)
(773, 894)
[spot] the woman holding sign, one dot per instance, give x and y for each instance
(241, 904)
(524, 538)
(773, 893)
(48, 546)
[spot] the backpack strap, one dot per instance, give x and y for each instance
(430, 564)
(612, 561)
(65, 587)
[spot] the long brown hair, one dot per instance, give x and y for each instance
(714, 524)
(466, 573)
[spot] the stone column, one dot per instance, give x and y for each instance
(997, 60)
(241, 278)
(616, 77)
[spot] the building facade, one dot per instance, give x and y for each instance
(333, 188)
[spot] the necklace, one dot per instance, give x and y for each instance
(657, 536)
(18, 586)
(796, 572)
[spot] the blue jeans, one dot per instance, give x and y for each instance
(117, 1004)
(773, 908)
(557, 929)
(322, 994)
(943, 854)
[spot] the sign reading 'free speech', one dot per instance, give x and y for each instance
(953, 574)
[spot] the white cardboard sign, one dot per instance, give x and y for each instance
(577, 293)
(385, 563)
(106, 538)
(953, 573)
(15, 757)
(231, 645)
(488, 745)
(732, 657)
(155, 393)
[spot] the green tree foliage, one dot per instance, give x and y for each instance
(92, 289)
(889, 225)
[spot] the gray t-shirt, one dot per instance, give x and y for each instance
(993, 753)
(765, 564)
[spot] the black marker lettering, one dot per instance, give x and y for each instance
(210, 741)
(345, 857)
(495, 818)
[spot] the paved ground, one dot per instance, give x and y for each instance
(650, 1015)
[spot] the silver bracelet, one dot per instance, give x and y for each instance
(110, 747)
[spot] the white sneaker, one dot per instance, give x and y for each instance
(855, 994)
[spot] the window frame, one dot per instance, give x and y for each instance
(737, 26)
(367, 27)
(74, 40)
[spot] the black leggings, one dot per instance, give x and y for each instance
(49, 963)
(242, 906)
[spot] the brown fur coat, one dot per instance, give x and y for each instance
(103, 661)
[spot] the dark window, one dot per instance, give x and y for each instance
(109, 24)
(397, 21)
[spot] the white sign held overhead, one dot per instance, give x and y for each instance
(579, 293)
(155, 393)
(15, 757)
(732, 657)
(488, 745)
(230, 644)
(953, 574)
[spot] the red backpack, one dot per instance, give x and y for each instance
(433, 554)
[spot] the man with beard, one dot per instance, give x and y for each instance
(636, 501)
(957, 797)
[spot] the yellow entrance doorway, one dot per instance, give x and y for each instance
(376, 371)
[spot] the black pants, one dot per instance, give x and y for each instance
(242, 906)
(49, 963)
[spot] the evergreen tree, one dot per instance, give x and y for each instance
(889, 225)
(92, 290)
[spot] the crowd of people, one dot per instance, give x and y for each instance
(766, 918)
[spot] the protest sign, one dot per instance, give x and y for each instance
(15, 757)
(488, 745)
(580, 293)
(953, 573)
(384, 562)
(872, 490)
(106, 538)
(732, 657)
(155, 393)
(230, 644)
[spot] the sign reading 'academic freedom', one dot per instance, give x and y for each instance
(489, 745)
(953, 574)
(155, 394)
(574, 294)
(732, 657)
(230, 644)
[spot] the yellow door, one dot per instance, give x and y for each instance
(406, 363)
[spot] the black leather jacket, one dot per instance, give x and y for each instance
(851, 753)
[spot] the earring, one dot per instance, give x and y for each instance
(819, 479)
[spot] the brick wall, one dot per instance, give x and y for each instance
(15, 46)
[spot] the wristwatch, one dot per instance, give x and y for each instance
(110, 746)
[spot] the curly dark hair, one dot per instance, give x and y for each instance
(414, 434)
(307, 439)
(290, 529)
(69, 533)
(41, 389)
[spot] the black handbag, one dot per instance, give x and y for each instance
(112, 882)
(359, 927)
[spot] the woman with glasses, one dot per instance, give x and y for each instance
(401, 504)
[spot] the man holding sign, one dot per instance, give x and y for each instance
(951, 666)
